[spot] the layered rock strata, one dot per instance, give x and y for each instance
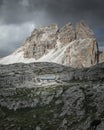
(72, 46)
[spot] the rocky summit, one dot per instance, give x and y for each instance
(48, 96)
(74, 46)
(54, 81)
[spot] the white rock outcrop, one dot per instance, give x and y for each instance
(75, 47)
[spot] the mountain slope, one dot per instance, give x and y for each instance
(47, 96)
(76, 47)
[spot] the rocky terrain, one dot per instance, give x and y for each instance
(49, 96)
(74, 46)
(36, 93)
(101, 56)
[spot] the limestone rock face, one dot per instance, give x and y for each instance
(101, 56)
(41, 41)
(71, 46)
(66, 34)
(81, 49)
(82, 53)
(83, 31)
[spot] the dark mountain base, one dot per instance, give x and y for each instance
(45, 96)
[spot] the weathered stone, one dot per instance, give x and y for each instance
(83, 31)
(66, 34)
(101, 56)
(41, 41)
(74, 103)
(75, 47)
(82, 53)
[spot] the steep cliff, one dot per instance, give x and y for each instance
(72, 46)
(101, 56)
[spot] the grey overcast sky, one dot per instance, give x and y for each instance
(19, 17)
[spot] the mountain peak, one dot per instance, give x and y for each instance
(82, 22)
(75, 47)
(83, 31)
(51, 27)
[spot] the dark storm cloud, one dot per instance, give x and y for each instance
(60, 11)
(12, 36)
(14, 14)
(90, 10)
